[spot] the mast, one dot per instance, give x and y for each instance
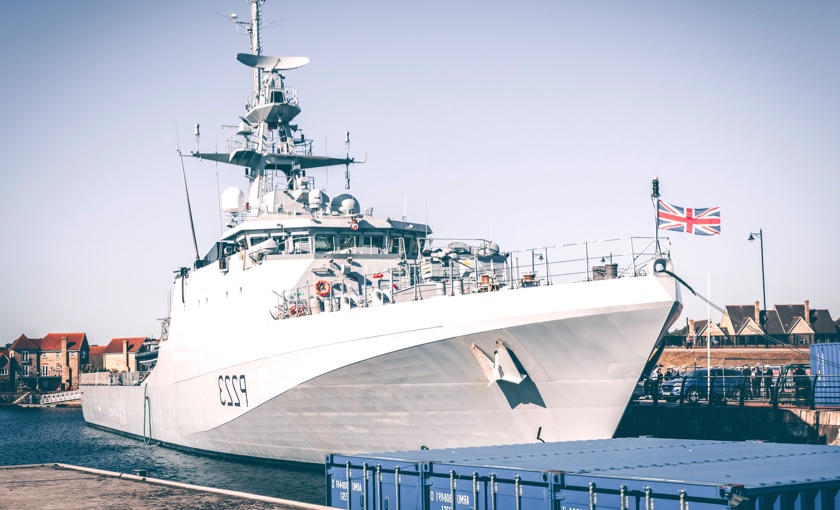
(267, 143)
(256, 46)
(654, 196)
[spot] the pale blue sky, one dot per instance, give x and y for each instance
(546, 120)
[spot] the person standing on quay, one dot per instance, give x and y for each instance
(768, 382)
(756, 381)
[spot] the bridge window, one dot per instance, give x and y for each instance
(410, 247)
(324, 243)
(255, 240)
(396, 245)
(345, 242)
(373, 242)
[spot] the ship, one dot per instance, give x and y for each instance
(313, 326)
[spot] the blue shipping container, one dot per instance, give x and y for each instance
(825, 369)
(621, 474)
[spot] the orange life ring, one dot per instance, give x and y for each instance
(322, 288)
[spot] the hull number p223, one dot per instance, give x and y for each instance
(233, 391)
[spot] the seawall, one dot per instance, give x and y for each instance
(732, 423)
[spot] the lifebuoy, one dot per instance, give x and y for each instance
(322, 288)
(354, 226)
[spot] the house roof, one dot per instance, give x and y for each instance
(52, 342)
(96, 350)
(116, 345)
(822, 323)
(788, 314)
(700, 329)
(739, 315)
(774, 324)
(4, 359)
(23, 343)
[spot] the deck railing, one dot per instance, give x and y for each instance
(113, 378)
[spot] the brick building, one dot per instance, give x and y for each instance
(7, 372)
(50, 363)
(120, 354)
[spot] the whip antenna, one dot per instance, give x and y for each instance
(186, 189)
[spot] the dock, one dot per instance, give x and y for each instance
(63, 486)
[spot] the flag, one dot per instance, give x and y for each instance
(704, 222)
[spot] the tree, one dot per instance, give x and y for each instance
(679, 331)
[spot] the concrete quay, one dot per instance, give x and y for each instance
(732, 423)
(62, 486)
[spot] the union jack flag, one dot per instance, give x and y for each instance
(704, 222)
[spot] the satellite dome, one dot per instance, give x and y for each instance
(345, 204)
(318, 199)
(233, 200)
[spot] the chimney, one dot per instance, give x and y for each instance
(125, 353)
(65, 362)
(807, 312)
(691, 327)
(757, 313)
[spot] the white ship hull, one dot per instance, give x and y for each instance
(398, 377)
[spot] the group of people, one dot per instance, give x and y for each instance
(758, 378)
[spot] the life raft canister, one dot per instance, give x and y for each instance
(322, 288)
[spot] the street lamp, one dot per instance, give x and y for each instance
(763, 290)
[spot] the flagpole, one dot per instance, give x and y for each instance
(655, 197)
(709, 334)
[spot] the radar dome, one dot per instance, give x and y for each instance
(345, 204)
(233, 200)
(316, 197)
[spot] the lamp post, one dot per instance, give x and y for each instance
(763, 290)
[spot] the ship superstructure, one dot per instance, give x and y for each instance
(313, 326)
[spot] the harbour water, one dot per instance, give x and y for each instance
(50, 435)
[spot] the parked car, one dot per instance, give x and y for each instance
(726, 384)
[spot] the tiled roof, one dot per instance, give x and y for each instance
(52, 342)
(96, 350)
(23, 343)
(788, 313)
(4, 360)
(822, 323)
(739, 315)
(774, 324)
(116, 345)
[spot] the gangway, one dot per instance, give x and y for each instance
(64, 396)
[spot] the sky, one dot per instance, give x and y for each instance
(535, 124)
